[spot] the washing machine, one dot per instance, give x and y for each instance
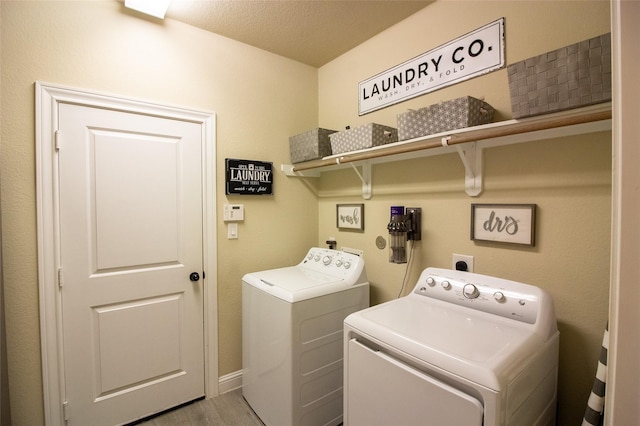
(292, 334)
(460, 349)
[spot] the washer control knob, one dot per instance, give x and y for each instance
(431, 281)
(499, 296)
(470, 291)
(310, 256)
(446, 285)
(326, 260)
(347, 265)
(317, 257)
(339, 263)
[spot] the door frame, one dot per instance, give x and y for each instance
(48, 98)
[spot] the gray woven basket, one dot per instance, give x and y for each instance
(570, 77)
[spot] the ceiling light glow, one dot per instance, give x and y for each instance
(156, 8)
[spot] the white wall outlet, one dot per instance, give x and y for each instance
(462, 258)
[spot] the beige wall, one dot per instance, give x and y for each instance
(259, 100)
(569, 179)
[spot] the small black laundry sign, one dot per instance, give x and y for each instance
(248, 177)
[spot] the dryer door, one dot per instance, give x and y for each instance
(384, 391)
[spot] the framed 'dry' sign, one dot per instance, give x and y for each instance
(505, 223)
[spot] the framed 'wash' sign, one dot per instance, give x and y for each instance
(350, 216)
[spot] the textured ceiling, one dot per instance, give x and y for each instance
(313, 32)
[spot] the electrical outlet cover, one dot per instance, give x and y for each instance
(464, 258)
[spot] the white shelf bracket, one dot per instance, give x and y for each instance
(471, 156)
(365, 178)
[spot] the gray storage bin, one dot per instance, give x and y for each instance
(362, 137)
(310, 145)
(449, 115)
(570, 77)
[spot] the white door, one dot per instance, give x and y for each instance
(130, 207)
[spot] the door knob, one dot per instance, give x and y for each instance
(194, 276)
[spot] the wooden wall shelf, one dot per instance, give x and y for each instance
(468, 143)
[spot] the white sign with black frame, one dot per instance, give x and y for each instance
(476, 53)
(505, 223)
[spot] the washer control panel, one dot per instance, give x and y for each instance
(333, 262)
(509, 299)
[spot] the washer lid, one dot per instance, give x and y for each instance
(294, 283)
(484, 348)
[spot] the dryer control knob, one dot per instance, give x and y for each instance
(339, 263)
(499, 296)
(326, 260)
(470, 291)
(446, 285)
(347, 265)
(317, 257)
(431, 281)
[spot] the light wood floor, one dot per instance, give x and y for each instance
(229, 409)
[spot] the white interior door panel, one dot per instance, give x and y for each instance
(130, 214)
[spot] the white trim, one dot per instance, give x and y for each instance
(614, 283)
(230, 382)
(210, 253)
(48, 97)
(623, 378)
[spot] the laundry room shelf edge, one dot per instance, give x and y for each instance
(468, 143)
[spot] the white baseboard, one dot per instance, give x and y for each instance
(229, 382)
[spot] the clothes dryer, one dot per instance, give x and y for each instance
(460, 349)
(292, 326)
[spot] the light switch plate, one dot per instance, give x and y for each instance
(232, 231)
